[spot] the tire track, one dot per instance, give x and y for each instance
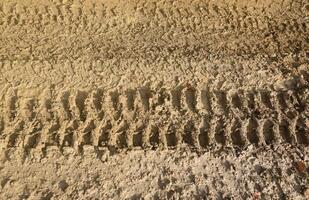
(142, 117)
(203, 21)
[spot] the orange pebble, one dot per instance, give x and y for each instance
(300, 166)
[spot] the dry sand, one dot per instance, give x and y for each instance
(152, 99)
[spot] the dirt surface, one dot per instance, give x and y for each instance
(154, 99)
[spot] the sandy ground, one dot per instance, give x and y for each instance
(154, 99)
(274, 172)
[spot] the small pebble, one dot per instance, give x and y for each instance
(300, 166)
(306, 193)
(259, 169)
(256, 195)
(63, 185)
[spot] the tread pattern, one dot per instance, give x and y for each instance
(86, 43)
(144, 118)
(51, 44)
(242, 30)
